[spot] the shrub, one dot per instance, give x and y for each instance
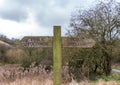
(38, 56)
(3, 50)
(15, 55)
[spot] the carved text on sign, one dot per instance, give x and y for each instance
(37, 41)
(47, 41)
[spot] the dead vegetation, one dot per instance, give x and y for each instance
(16, 75)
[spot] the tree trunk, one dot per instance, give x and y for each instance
(107, 63)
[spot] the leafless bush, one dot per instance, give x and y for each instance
(15, 55)
(10, 73)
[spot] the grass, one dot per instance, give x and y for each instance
(15, 75)
(28, 81)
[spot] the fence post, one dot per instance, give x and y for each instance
(57, 61)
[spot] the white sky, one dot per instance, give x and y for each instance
(19, 18)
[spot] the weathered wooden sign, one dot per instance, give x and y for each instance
(57, 42)
(47, 41)
(37, 41)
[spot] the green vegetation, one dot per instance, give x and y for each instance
(3, 53)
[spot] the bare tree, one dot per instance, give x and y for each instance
(101, 23)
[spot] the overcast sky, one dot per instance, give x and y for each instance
(19, 18)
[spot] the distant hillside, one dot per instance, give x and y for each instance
(6, 39)
(5, 44)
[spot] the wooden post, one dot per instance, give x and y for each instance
(57, 55)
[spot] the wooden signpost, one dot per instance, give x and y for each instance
(57, 61)
(56, 42)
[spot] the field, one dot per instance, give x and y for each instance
(16, 75)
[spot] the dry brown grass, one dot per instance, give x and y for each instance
(15, 75)
(29, 81)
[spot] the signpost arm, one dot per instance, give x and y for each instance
(57, 55)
